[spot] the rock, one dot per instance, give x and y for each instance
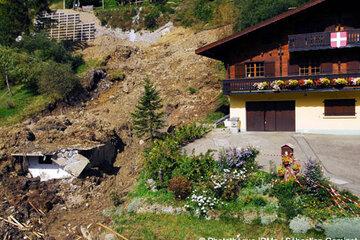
(170, 129)
(30, 136)
(94, 77)
(109, 236)
(151, 184)
(141, 142)
(125, 88)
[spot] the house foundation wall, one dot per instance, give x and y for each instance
(309, 111)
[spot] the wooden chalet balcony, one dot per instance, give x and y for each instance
(247, 85)
(320, 40)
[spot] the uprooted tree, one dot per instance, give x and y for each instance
(148, 116)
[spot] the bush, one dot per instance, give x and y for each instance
(10, 104)
(180, 186)
(234, 158)
(300, 224)
(189, 133)
(286, 192)
(161, 160)
(150, 19)
(201, 202)
(56, 79)
(196, 168)
(116, 199)
(254, 11)
(193, 90)
(164, 156)
(267, 218)
(343, 228)
(203, 10)
(117, 76)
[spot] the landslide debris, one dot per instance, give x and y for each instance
(171, 64)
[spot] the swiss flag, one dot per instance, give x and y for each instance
(339, 39)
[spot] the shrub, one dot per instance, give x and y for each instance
(315, 180)
(190, 133)
(300, 224)
(10, 104)
(203, 10)
(196, 168)
(116, 199)
(180, 186)
(150, 19)
(193, 90)
(343, 228)
(134, 205)
(227, 184)
(56, 79)
(200, 203)
(161, 160)
(267, 218)
(234, 158)
(286, 193)
(259, 179)
(164, 156)
(117, 76)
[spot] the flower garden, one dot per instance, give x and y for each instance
(233, 189)
(303, 84)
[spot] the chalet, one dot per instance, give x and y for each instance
(299, 71)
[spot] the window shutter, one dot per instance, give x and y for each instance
(353, 67)
(269, 69)
(326, 68)
(239, 70)
(227, 71)
(293, 69)
(340, 107)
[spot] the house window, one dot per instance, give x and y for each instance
(255, 69)
(306, 70)
(340, 107)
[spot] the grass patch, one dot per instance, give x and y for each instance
(89, 64)
(56, 4)
(23, 104)
(152, 226)
(213, 117)
(160, 196)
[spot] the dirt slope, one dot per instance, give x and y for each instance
(172, 65)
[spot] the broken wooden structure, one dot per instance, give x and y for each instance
(68, 27)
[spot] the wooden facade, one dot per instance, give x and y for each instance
(299, 71)
(300, 39)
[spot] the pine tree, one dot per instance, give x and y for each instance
(148, 116)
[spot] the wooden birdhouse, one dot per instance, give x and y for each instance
(287, 150)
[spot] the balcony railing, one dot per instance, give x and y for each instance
(320, 40)
(247, 85)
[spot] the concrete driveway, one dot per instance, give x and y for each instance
(340, 155)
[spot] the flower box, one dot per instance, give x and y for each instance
(339, 82)
(277, 85)
(292, 84)
(323, 82)
(307, 83)
(261, 85)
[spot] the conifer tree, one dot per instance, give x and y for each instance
(148, 116)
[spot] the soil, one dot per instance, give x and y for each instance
(171, 64)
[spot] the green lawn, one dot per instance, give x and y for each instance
(152, 226)
(20, 105)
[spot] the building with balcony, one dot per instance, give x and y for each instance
(298, 71)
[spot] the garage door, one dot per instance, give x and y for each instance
(270, 116)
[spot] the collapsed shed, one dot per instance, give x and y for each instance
(66, 163)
